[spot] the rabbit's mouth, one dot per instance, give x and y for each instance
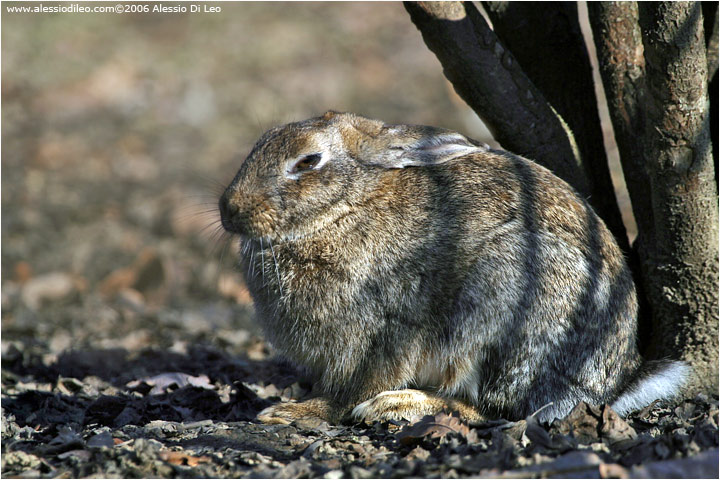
(320, 228)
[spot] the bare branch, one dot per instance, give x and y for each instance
(684, 272)
(540, 30)
(486, 75)
(618, 42)
(710, 20)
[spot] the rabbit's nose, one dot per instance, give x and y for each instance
(229, 214)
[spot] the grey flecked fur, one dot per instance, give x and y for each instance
(414, 257)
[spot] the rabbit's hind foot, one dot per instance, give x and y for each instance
(287, 412)
(411, 404)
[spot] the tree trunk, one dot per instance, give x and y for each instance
(618, 42)
(487, 76)
(683, 273)
(710, 17)
(539, 30)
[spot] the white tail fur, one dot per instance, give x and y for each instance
(657, 380)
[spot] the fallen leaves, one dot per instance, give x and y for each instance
(435, 426)
(179, 412)
(168, 423)
(588, 424)
(182, 458)
(149, 275)
(165, 382)
(230, 285)
(50, 288)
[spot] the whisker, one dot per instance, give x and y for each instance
(218, 236)
(209, 182)
(222, 255)
(217, 224)
(190, 211)
(262, 261)
(208, 196)
(277, 270)
(223, 240)
(257, 121)
(252, 261)
(206, 209)
(220, 233)
(190, 204)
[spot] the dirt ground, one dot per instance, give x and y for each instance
(128, 347)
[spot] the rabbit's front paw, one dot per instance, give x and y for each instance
(398, 405)
(287, 412)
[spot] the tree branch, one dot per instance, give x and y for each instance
(486, 75)
(684, 272)
(618, 42)
(710, 21)
(539, 30)
(710, 24)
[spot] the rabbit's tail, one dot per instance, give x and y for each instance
(656, 379)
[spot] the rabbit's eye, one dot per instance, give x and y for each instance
(308, 162)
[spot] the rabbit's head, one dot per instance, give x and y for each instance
(303, 176)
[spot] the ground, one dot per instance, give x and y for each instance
(168, 400)
(128, 346)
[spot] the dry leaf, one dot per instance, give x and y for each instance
(613, 470)
(180, 458)
(117, 280)
(582, 422)
(51, 287)
(418, 453)
(162, 383)
(232, 286)
(614, 428)
(433, 427)
(83, 455)
(22, 272)
(537, 434)
(147, 275)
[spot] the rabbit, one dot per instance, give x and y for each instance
(410, 269)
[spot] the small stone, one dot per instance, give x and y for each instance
(103, 439)
(132, 299)
(69, 386)
(418, 453)
(359, 472)
(83, 455)
(22, 272)
(19, 460)
(51, 287)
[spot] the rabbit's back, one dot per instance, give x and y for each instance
(547, 310)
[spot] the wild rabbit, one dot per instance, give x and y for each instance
(410, 268)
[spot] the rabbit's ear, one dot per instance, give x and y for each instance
(430, 149)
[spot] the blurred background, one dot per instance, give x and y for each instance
(119, 132)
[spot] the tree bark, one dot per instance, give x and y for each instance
(487, 76)
(539, 30)
(683, 275)
(710, 24)
(710, 17)
(618, 42)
